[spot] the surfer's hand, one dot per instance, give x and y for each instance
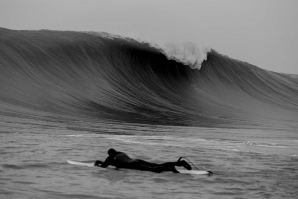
(97, 163)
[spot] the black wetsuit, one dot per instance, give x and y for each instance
(122, 160)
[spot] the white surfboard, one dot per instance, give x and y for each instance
(81, 163)
(195, 172)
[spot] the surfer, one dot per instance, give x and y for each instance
(122, 160)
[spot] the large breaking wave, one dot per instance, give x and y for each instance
(100, 76)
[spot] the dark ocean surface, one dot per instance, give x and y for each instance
(73, 95)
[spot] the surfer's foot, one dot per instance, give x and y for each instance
(184, 164)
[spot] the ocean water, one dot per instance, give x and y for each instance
(74, 95)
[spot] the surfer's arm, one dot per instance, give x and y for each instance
(107, 162)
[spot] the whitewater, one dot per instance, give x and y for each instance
(73, 95)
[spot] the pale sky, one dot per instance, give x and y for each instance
(260, 32)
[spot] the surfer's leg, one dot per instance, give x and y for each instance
(149, 164)
(167, 166)
(158, 167)
(146, 166)
(170, 166)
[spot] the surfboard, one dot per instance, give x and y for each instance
(183, 171)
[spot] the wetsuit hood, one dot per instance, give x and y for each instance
(112, 152)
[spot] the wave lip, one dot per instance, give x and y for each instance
(187, 53)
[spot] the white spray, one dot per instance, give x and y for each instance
(187, 53)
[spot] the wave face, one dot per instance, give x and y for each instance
(99, 77)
